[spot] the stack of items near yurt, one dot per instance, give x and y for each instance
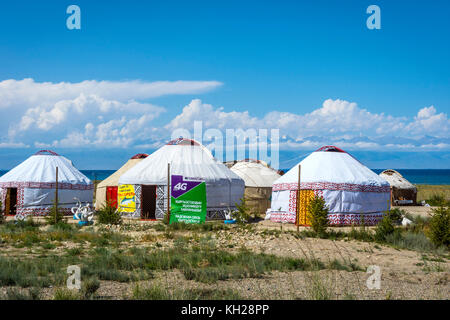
(106, 190)
(352, 192)
(258, 178)
(29, 188)
(148, 180)
(403, 191)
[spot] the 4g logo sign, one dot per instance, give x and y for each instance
(180, 186)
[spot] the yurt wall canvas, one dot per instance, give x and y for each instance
(351, 190)
(108, 189)
(190, 159)
(403, 191)
(258, 178)
(33, 182)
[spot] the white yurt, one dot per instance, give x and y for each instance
(148, 179)
(258, 178)
(351, 191)
(107, 189)
(403, 191)
(29, 188)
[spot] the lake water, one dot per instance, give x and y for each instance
(416, 176)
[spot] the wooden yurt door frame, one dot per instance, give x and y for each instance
(11, 201)
(147, 200)
(303, 198)
(114, 190)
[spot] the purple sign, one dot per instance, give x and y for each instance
(180, 185)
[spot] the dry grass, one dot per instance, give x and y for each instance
(425, 191)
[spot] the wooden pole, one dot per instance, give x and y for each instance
(56, 195)
(168, 193)
(298, 199)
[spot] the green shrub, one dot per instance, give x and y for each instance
(17, 294)
(157, 292)
(66, 294)
(440, 227)
(396, 215)
(318, 215)
(55, 215)
(419, 223)
(384, 228)
(108, 214)
(242, 215)
(62, 226)
(410, 240)
(89, 288)
(437, 200)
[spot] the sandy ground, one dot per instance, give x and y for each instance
(417, 210)
(405, 274)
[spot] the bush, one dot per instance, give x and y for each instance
(318, 215)
(384, 228)
(55, 215)
(242, 215)
(437, 200)
(17, 294)
(108, 214)
(410, 240)
(440, 227)
(396, 215)
(89, 288)
(66, 294)
(158, 292)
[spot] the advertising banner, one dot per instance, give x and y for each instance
(188, 200)
(126, 198)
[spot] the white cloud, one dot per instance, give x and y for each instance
(104, 114)
(80, 107)
(40, 112)
(28, 93)
(217, 118)
(337, 122)
(13, 145)
(428, 121)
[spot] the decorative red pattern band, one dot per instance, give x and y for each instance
(46, 185)
(334, 219)
(43, 211)
(330, 186)
(47, 152)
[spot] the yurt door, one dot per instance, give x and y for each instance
(148, 202)
(111, 196)
(11, 201)
(305, 198)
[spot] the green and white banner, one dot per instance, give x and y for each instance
(188, 200)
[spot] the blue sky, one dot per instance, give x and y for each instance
(312, 69)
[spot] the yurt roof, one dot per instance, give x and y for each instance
(255, 173)
(186, 157)
(330, 164)
(41, 168)
(113, 180)
(395, 179)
